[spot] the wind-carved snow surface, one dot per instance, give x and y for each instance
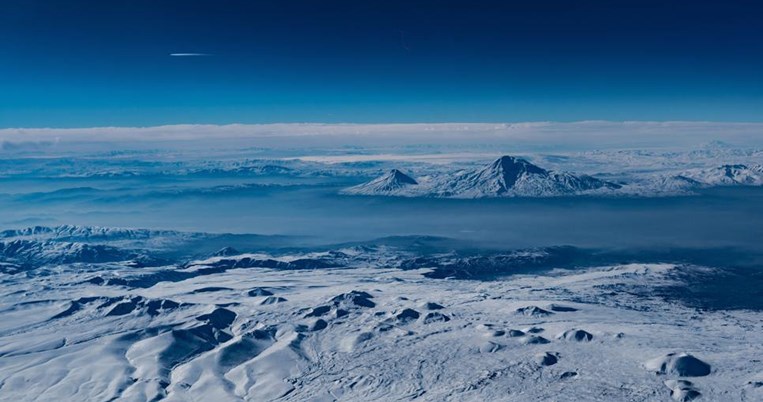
(360, 323)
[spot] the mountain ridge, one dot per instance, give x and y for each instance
(507, 176)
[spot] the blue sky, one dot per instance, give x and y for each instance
(93, 63)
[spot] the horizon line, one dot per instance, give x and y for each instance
(442, 123)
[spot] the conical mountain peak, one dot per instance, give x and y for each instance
(506, 170)
(396, 176)
(389, 183)
(513, 166)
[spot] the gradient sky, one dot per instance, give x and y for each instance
(79, 63)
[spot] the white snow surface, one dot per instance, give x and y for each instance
(369, 333)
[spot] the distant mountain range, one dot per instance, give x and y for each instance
(509, 176)
(728, 175)
(689, 181)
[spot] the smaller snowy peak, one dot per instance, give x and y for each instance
(397, 177)
(388, 184)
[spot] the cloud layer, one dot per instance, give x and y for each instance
(544, 136)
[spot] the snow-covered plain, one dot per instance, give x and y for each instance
(356, 323)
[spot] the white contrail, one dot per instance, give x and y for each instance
(189, 54)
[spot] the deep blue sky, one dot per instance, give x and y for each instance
(76, 63)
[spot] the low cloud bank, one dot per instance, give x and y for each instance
(545, 136)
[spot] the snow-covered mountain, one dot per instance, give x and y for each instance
(29, 254)
(688, 182)
(728, 175)
(510, 176)
(507, 176)
(76, 232)
(662, 185)
(393, 182)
